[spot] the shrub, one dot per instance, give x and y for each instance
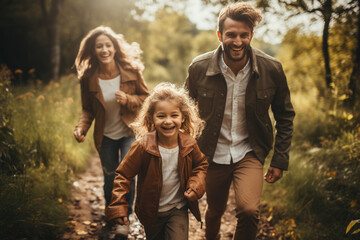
(39, 156)
(321, 189)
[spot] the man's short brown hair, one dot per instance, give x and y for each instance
(243, 12)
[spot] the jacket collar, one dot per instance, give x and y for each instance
(214, 66)
(150, 144)
(126, 75)
(254, 65)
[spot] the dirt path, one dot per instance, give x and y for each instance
(86, 212)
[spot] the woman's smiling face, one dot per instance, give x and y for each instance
(104, 49)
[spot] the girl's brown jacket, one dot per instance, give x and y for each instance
(144, 160)
(93, 106)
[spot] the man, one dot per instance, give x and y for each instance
(234, 87)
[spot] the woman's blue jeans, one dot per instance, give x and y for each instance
(109, 156)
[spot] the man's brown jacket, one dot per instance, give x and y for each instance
(144, 160)
(267, 87)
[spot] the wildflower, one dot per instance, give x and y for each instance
(26, 96)
(18, 71)
(40, 97)
(331, 174)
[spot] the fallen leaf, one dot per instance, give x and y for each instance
(80, 232)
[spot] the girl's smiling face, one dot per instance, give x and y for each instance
(167, 119)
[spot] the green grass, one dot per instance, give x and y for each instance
(40, 157)
(320, 192)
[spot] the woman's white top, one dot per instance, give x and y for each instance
(114, 127)
(171, 193)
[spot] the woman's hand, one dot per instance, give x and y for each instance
(121, 97)
(190, 195)
(79, 135)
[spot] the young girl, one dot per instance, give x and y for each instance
(170, 167)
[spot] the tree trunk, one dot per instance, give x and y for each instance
(55, 40)
(327, 12)
(354, 85)
(51, 22)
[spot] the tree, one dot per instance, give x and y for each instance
(51, 21)
(169, 46)
(326, 10)
(354, 85)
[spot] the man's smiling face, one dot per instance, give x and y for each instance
(235, 37)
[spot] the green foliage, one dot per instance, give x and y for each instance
(169, 47)
(321, 188)
(342, 43)
(320, 192)
(298, 53)
(35, 182)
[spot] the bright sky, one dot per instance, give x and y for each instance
(271, 29)
(204, 18)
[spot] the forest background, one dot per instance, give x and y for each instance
(318, 198)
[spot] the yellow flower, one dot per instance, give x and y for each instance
(331, 174)
(40, 97)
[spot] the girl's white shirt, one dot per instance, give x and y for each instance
(171, 193)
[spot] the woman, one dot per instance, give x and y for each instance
(112, 92)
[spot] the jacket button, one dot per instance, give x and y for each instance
(222, 94)
(219, 115)
(214, 133)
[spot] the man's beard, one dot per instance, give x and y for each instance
(228, 54)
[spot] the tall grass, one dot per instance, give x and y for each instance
(40, 157)
(321, 190)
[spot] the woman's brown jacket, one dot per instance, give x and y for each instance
(144, 160)
(93, 105)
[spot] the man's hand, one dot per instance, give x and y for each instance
(190, 195)
(273, 174)
(122, 221)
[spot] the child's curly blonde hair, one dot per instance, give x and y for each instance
(144, 123)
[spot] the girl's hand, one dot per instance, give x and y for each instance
(79, 135)
(190, 195)
(121, 97)
(122, 221)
